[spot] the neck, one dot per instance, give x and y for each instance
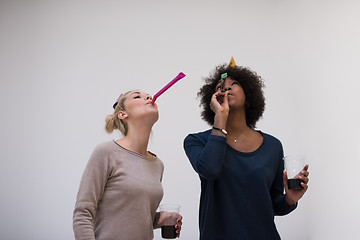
(236, 124)
(137, 138)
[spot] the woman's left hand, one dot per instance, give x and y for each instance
(170, 217)
(293, 195)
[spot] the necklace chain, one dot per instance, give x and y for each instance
(234, 140)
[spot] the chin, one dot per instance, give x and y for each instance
(155, 111)
(155, 115)
(154, 119)
(232, 103)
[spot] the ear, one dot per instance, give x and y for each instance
(122, 115)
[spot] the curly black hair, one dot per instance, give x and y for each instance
(251, 83)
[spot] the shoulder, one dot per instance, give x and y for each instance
(100, 156)
(156, 159)
(200, 136)
(272, 142)
(104, 150)
(269, 138)
(104, 147)
(159, 163)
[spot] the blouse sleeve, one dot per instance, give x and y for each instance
(91, 189)
(206, 155)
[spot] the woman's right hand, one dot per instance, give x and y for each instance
(170, 218)
(220, 106)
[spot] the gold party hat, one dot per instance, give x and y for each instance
(232, 62)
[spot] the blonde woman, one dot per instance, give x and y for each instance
(121, 186)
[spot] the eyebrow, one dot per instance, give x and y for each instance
(135, 93)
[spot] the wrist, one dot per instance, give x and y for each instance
(156, 220)
(289, 201)
(220, 121)
(223, 131)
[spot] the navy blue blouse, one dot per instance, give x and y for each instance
(240, 192)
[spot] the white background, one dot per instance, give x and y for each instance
(63, 63)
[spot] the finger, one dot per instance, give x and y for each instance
(178, 231)
(226, 100)
(305, 186)
(213, 103)
(215, 100)
(306, 167)
(304, 173)
(214, 97)
(304, 179)
(218, 94)
(220, 97)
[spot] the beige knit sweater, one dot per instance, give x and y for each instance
(119, 193)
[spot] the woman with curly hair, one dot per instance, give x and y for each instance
(241, 169)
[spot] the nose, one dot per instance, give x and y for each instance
(148, 97)
(227, 85)
(227, 88)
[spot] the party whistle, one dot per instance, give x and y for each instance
(177, 78)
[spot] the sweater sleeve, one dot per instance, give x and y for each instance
(206, 155)
(280, 205)
(91, 189)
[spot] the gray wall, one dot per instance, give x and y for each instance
(63, 63)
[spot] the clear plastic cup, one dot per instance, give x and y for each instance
(168, 230)
(293, 166)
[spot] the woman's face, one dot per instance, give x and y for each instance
(236, 94)
(138, 106)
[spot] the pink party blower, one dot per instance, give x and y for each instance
(177, 78)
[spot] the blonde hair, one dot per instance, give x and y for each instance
(112, 121)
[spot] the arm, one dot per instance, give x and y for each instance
(156, 220)
(207, 155)
(90, 192)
